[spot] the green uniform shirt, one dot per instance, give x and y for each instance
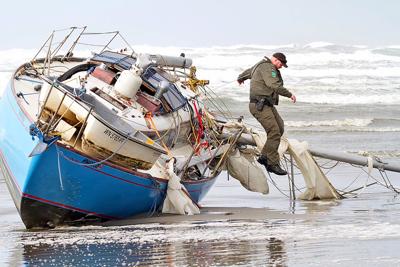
(266, 80)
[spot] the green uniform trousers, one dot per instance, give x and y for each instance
(273, 125)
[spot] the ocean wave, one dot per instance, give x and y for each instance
(297, 54)
(319, 72)
(348, 129)
(363, 59)
(347, 125)
(318, 44)
(389, 51)
(340, 123)
(346, 72)
(346, 98)
(382, 129)
(317, 96)
(248, 47)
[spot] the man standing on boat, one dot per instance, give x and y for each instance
(266, 85)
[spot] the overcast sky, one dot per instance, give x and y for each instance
(26, 24)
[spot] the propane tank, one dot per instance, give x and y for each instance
(128, 82)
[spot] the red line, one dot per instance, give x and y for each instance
(68, 207)
(111, 165)
(199, 181)
(122, 179)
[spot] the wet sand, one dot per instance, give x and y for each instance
(236, 228)
(211, 214)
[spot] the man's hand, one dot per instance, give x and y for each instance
(293, 97)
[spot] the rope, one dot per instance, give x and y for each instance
(59, 169)
(275, 185)
(153, 207)
(200, 121)
(149, 118)
(216, 97)
(387, 183)
(381, 172)
(226, 84)
(370, 167)
(98, 162)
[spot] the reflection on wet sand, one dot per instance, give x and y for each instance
(363, 231)
(319, 206)
(199, 253)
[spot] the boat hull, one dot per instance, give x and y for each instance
(64, 186)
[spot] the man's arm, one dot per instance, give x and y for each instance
(245, 75)
(270, 77)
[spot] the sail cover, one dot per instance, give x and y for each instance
(318, 185)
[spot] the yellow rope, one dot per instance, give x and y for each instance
(153, 126)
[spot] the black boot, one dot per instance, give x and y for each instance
(276, 169)
(263, 161)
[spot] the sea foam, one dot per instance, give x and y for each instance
(341, 123)
(318, 72)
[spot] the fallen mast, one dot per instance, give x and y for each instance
(247, 139)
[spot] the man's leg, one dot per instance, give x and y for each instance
(267, 119)
(275, 168)
(279, 121)
(273, 125)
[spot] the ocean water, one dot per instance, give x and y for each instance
(348, 100)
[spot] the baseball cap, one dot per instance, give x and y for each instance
(281, 57)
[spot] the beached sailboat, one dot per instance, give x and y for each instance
(91, 138)
(88, 138)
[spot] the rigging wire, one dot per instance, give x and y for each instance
(276, 186)
(220, 105)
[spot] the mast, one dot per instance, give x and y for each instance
(355, 159)
(247, 139)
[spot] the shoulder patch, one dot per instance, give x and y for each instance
(273, 73)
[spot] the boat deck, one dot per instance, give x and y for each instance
(27, 88)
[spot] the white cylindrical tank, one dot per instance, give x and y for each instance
(128, 82)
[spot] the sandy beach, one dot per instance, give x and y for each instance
(235, 227)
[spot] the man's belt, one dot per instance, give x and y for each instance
(268, 101)
(262, 101)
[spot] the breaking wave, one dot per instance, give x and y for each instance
(345, 99)
(347, 125)
(341, 123)
(318, 72)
